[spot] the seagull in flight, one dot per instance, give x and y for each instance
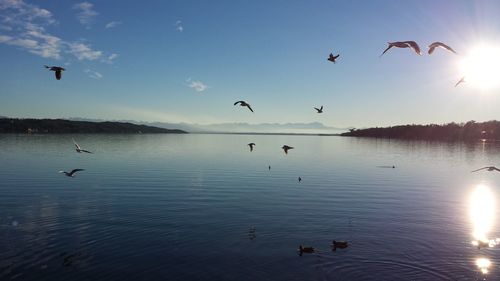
(490, 169)
(462, 80)
(332, 58)
(286, 148)
(71, 174)
(58, 70)
(79, 148)
(320, 110)
(440, 45)
(403, 44)
(244, 103)
(251, 146)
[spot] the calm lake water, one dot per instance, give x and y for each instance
(203, 207)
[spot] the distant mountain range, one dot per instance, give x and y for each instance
(287, 128)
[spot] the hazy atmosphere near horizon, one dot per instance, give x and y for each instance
(188, 61)
(249, 140)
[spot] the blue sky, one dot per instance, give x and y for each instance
(188, 61)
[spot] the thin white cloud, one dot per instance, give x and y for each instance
(93, 74)
(83, 51)
(86, 14)
(178, 26)
(112, 57)
(197, 85)
(112, 24)
(24, 26)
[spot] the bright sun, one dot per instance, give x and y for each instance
(481, 67)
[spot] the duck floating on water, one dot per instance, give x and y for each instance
(339, 244)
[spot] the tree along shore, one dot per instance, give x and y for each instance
(61, 126)
(470, 131)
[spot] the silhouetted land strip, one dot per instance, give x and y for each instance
(470, 131)
(61, 126)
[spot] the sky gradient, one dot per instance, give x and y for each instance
(189, 61)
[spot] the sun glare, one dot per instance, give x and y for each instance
(481, 67)
(482, 212)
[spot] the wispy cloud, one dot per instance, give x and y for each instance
(178, 26)
(24, 26)
(86, 14)
(112, 57)
(112, 24)
(93, 74)
(197, 85)
(83, 51)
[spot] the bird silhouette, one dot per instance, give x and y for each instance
(305, 249)
(332, 58)
(71, 174)
(251, 146)
(300, 179)
(79, 149)
(489, 169)
(339, 244)
(244, 103)
(58, 70)
(320, 110)
(462, 80)
(403, 44)
(286, 148)
(435, 45)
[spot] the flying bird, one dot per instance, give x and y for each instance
(320, 110)
(403, 44)
(71, 174)
(462, 80)
(251, 146)
(79, 149)
(286, 148)
(300, 179)
(332, 58)
(490, 169)
(440, 45)
(58, 70)
(244, 103)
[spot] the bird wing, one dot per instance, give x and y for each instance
(249, 108)
(58, 74)
(317, 109)
(77, 146)
(86, 151)
(331, 56)
(479, 169)
(390, 46)
(442, 45)
(335, 57)
(414, 46)
(460, 81)
(238, 102)
(496, 169)
(75, 170)
(321, 108)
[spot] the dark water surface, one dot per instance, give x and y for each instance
(203, 207)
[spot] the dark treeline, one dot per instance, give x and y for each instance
(61, 126)
(470, 131)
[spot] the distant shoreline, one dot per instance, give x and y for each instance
(62, 126)
(469, 131)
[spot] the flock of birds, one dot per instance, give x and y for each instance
(332, 58)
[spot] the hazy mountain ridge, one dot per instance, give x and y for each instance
(241, 127)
